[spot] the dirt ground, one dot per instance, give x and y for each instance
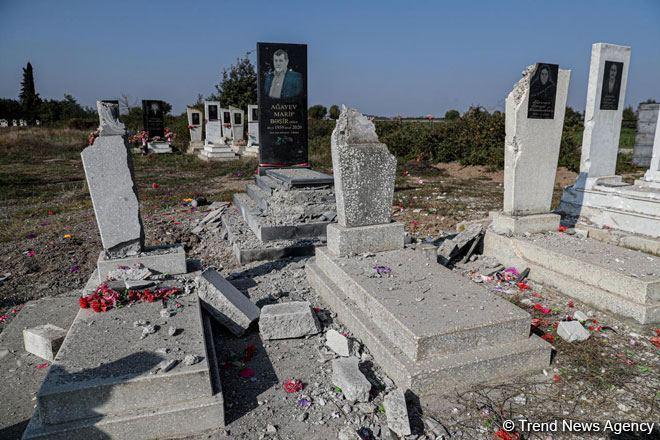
(49, 244)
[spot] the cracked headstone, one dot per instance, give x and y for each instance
(364, 171)
(288, 320)
(346, 375)
(225, 302)
(109, 123)
(397, 412)
(337, 343)
(109, 171)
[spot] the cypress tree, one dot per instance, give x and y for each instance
(29, 97)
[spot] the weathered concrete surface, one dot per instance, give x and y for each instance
(603, 275)
(419, 305)
(346, 375)
(169, 259)
(344, 241)
(524, 224)
(109, 172)
(43, 340)
(531, 149)
(18, 373)
(226, 303)
(288, 320)
(106, 380)
(294, 177)
(602, 128)
(620, 238)
(397, 412)
(364, 171)
(443, 373)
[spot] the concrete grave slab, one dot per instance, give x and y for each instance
(225, 302)
(295, 177)
(343, 241)
(169, 259)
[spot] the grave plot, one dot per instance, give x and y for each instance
(284, 213)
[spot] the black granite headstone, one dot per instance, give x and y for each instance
(255, 114)
(282, 90)
(543, 92)
(609, 95)
(153, 118)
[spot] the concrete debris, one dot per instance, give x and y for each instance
(166, 365)
(580, 316)
(462, 244)
(572, 331)
(288, 320)
(397, 412)
(43, 340)
(137, 272)
(337, 343)
(138, 284)
(346, 375)
(172, 331)
(148, 329)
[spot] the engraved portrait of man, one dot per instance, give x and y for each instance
(612, 76)
(282, 82)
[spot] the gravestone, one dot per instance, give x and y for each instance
(608, 76)
(109, 170)
(534, 122)
(282, 99)
(364, 172)
(252, 148)
(4, 123)
(153, 118)
(22, 123)
(14, 123)
(215, 145)
(237, 118)
(195, 130)
(226, 123)
(647, 117)
(652, 176)
(109, 124)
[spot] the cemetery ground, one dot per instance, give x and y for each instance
(49, 243)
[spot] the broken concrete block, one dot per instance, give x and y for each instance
(397, 412)
(580, 316)
(346, 375)
(43, 340)
(337, 343)
(288, 320)
(572, 331)
(225, 302)
(450, 249)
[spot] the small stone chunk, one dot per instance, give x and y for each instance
(347, 375)
(172, 331)
(337, 343)
(165, 313)
(580, 316)
(147, 330)
(44, 340)
(191, 359)
(166, 365)
(397, 412)
(572, 331)
(226, 303)
(288, 320)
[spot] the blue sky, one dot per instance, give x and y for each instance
(382, 57)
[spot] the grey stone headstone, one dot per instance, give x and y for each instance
(109, 171)
(364, 171)
(647, 117)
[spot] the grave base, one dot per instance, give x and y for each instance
(106, 380)
(621, 238)
(163, 259)
(195, 147)
(647, 183)
(601, 274)
(159, 147)
(431, 330)
(344, 241)
(251, 151)
(524, 224)
(611, 203)
(220, 152)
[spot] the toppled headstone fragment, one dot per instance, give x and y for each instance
(226, 303)
(126, 273)
(452, 249)
(346, 375)
(337, 343)
(397, 412)
(43, 340)
(572, 331)
(166, 365)
(288, 320)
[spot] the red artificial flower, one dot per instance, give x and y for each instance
(154, 185)
(556, 378)
(84, 304)
(246, 373)
(249, 353)
(51, 212)
(548, 337)
(591, 328)
(655, 340)
(293, 385)
(44, 365)
(501, 434)
(570, 303)
(522, 285)
(562, 229)
(96, 306)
